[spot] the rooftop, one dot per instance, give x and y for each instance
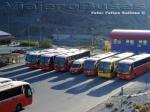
(5, 35)
(127, 33)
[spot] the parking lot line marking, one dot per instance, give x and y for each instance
(5, 73)
(23, 74)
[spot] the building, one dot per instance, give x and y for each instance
(5, 38)
(137, 41)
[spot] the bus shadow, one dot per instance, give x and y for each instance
(62, 76)
(77, 80)
(29, 74)
(14, 73)
(107, 88)
(87, 86)
(143, 78)
(13, 68)
(44, 76)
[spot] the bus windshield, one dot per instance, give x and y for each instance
(75, 66)
(104, 67)
(32, 59)
(123, 68)
(60, 61)
(27, 91)
(90, 65)
(44, 61)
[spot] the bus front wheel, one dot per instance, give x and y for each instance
(18, 107)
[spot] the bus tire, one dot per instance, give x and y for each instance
(19, 107)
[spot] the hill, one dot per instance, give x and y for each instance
(45, 17)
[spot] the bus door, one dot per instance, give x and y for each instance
(28, 94)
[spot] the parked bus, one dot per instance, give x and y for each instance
(14, 95)
(47, 60)
(33, 59)
(107, 67)
(90, 65)
(78, 65)
(64, 62)
(133, 66)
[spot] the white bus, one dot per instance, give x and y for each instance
(133, 66)
(78, 65)
(90, 65)
(107, 67)
(14, 95)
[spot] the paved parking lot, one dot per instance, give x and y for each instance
(64, 92)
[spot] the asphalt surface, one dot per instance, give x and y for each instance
(64, 92)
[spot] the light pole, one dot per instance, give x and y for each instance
(8, 20)
(28, 35)
(39, 20)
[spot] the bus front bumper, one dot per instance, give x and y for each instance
(34, 66)
(105, 75)
(90, 73)
(125, 76)
(61, 69)
(75, 70)
(45, 68)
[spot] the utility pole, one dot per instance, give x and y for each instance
(40, 28)
(28, 35)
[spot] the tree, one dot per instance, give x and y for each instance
(46, 43)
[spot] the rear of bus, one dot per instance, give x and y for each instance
(90, 67)
(14, 96)
(47, 62)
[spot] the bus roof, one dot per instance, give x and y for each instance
(118, 57)
(11, 84)
(74, 52)
(102, 56)
(135, 58)
(3, 80)
(81, 60)
(135, 34)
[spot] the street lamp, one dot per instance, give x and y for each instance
(39, 20)
(28, 30)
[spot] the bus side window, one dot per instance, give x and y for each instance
(10, 93)
(27, 91)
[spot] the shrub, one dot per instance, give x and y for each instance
(29, 43)
(46, 43)
(138, 106)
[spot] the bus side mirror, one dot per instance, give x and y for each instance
(131, 69)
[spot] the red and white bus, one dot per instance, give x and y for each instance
(14, 95)
(90, 65)
(107, 67)
(133, 66)
(63, 62)
(47, 60)
(33, 58)
(78, 65)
